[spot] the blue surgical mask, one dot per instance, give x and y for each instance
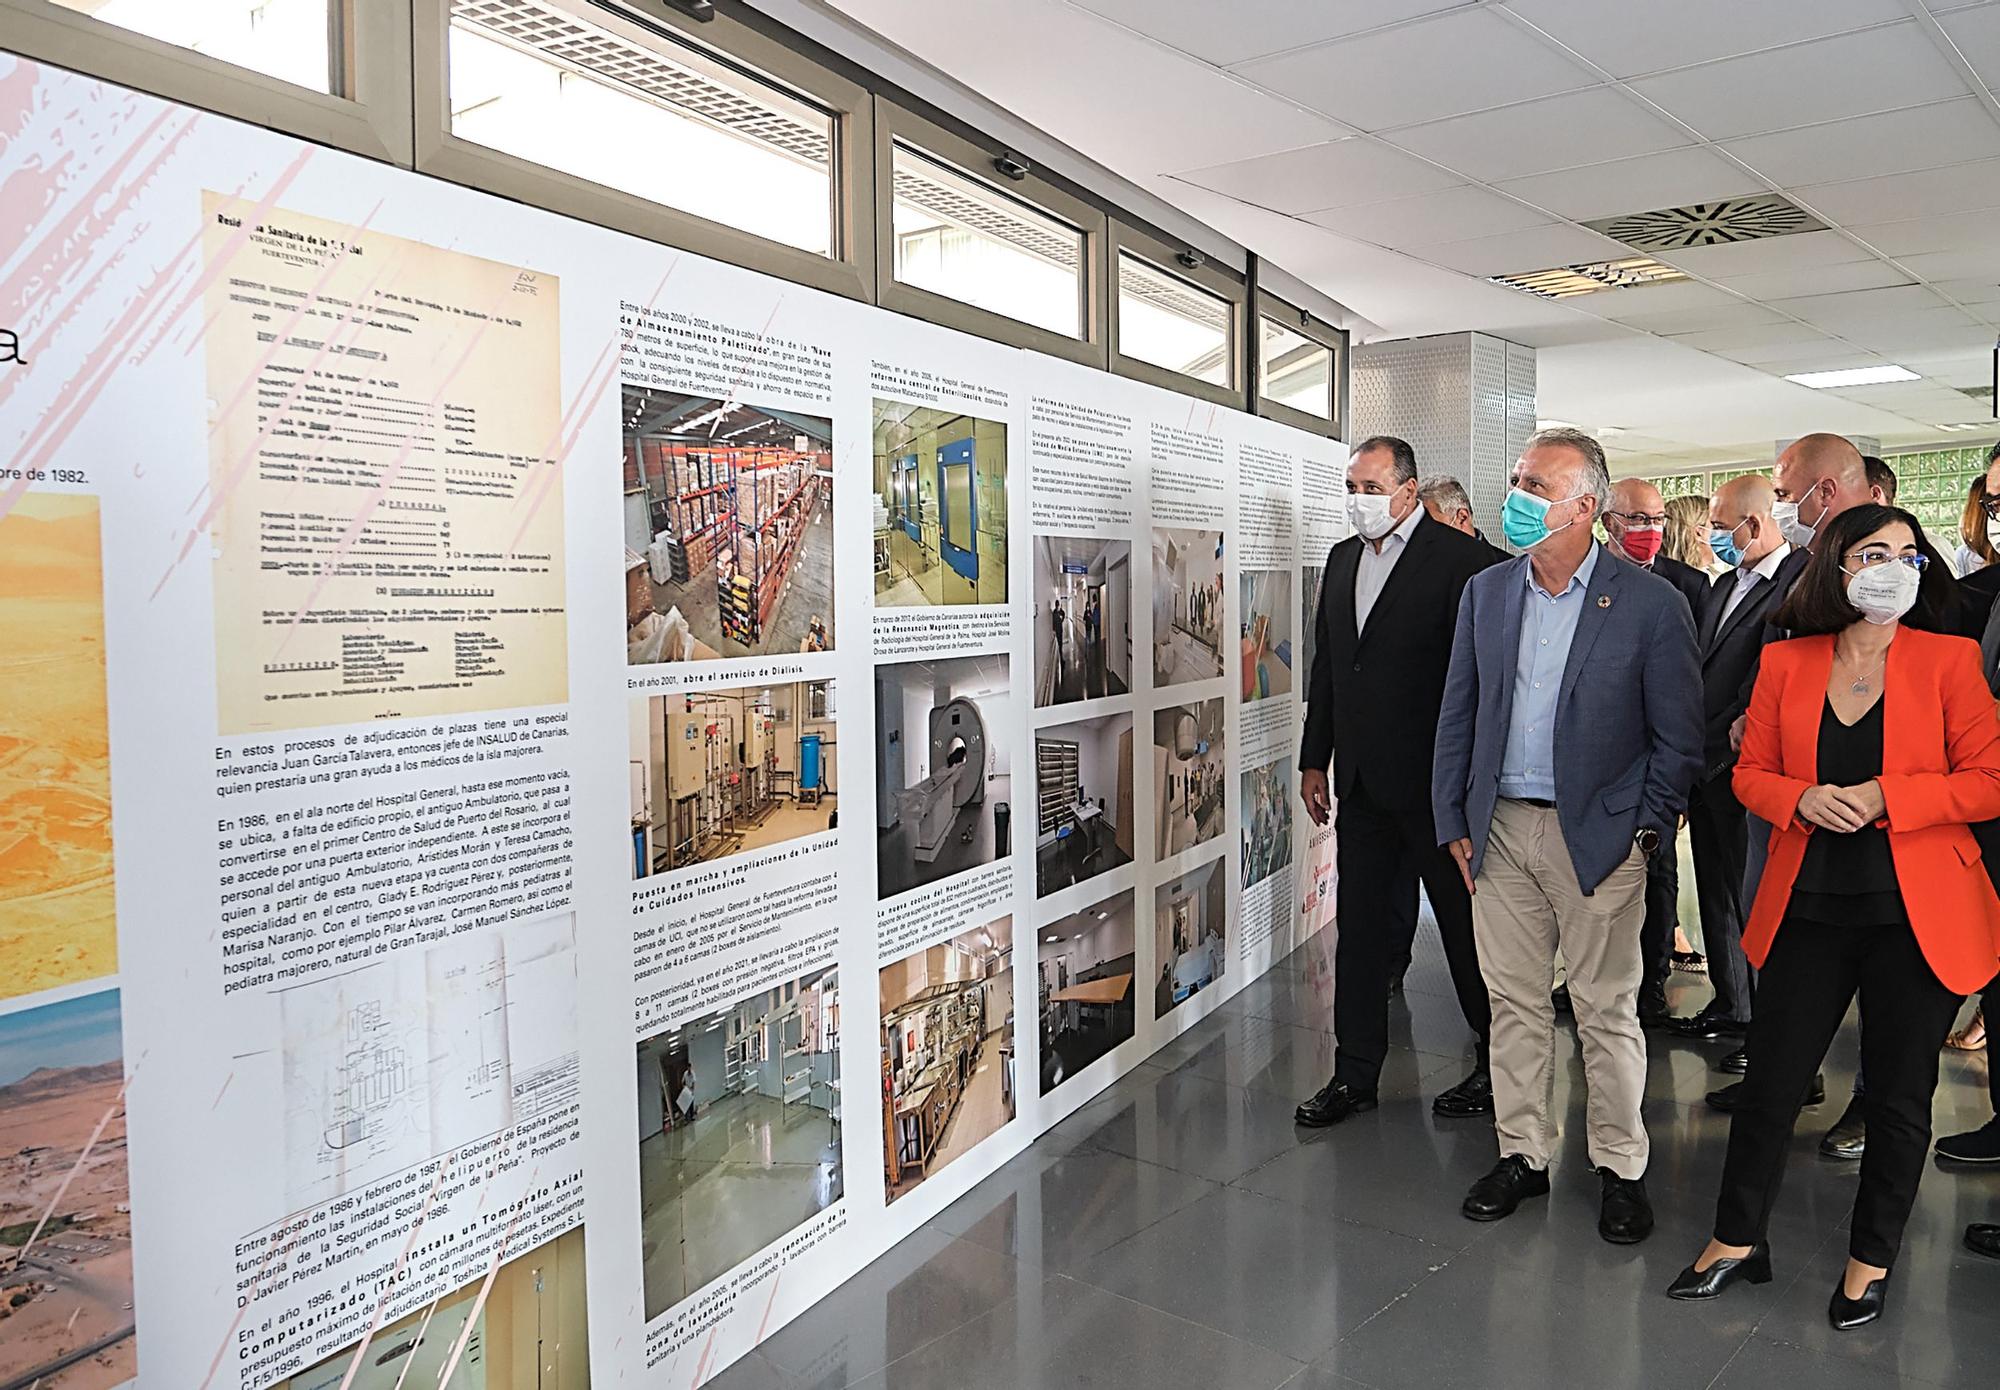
(1723, 543)
(1524, 519)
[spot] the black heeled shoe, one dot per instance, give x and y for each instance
(1846, 1313)
(1694, 1284)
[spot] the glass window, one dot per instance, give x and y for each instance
(1295, 370)
(968, 240)
(661, 120)
(291, 40)
(1165, 320)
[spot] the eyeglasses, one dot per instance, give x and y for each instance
(1869, 559)
(1990, 505)
(1641, 518)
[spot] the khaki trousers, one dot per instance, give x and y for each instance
(1527, 907)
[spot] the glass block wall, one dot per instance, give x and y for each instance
(1933, 484)
(1685, 484)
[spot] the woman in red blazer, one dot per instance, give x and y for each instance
(1872, 742)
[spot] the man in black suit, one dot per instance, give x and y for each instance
(1635, 522)
(1730, 630)
(1445, 499)
(1388, 609)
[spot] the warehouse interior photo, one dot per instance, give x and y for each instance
(1265, 617)
(1189, 776)
(943, 769)
(1084, 969)
(722, 772)
(941, 507)
(947, 1051)
(1187, 605)
(1083, 800)
(739, 1132)
(1083, 619)
(1189, 935)
(728, 529)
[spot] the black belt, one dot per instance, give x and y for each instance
(1534, 801)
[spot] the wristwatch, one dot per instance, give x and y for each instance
(1648, 841)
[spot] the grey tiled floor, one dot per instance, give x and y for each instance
(1178, 1231)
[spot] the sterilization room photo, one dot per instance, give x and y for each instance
(943, 769)
(1265, 617)
(722, 772)
(1083, 619)
(941, 507)
(1190, 940)
(1187, 605)
(1084, 968)
(739, 1132)
(1083, 800)
(1266, 813)
(1189, 776)
(948, 1047)
(728, 528)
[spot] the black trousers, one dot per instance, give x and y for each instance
(1656, 933)
(1812, 974)
(1719, 830)
(1381, 854)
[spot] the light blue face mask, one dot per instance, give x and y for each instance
(1723, 543)
(1524, 519)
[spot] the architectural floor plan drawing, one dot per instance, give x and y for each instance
(404, 1059)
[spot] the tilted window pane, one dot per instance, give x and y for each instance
(669, 124)
(1296, 371)
(967, 240)
(1164, 320)
(290, 40)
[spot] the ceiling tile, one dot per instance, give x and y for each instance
(1699, 31)
(1650, 182)
(1587, 127)
(1977, 34)
(1983, 264)
(1853, 75)
(1822, 279)
(1917, 235)
(1338, 173)
(1982, 290)
(1931, 193)
(1711, 319)
(1465, 60)
(1454, 214)
(1892, 142)
(1256, 28)
(1538, 248)
(1771, 253)
(1864, 305)
(1658, 298)
(1827, 354)
(1796, 336)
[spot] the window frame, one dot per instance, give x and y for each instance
(1309, 326)
(1162, 256)
(896, 124)
(371, 119)
(848, 271)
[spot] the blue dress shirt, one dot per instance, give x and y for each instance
(1548, 626)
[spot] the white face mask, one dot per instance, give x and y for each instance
(1993, 531)
(1884, 593)
(1786, 514)
(1368, 513)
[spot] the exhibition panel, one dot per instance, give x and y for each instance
(336, 1001)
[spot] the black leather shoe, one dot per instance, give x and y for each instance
(1983, 1240)
(1625, 1216)
(1846, 1313)
(1735, 1063)
(1334, 1103)
(1981, 1145)
(1708, 1024)
(1654, 1011)
(1694, 1284)
(1510, 1183)
(1472, 1096)
(1725, 1099)
(1849, 1136)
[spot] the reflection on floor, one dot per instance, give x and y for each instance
(715, 1191)
(1179, 1233)
(981, 1110)
(1081, 674)
(808, 592)
(1178, 658)
(969, 843)
(788, 821)
(1088, 850)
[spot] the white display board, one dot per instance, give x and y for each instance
(553, 784)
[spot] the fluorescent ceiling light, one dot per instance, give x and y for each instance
(1956, 428)
(1853, 376)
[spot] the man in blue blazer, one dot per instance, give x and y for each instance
(1569, 734)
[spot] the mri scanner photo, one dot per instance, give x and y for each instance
(942, 796)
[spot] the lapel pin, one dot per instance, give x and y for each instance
(1604, 600)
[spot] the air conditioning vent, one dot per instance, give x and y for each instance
(1568, 281)
(1709, 224)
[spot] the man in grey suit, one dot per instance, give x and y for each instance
(1569, 735)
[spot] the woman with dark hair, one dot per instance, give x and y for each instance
(1871, 745)
(1975, 531)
